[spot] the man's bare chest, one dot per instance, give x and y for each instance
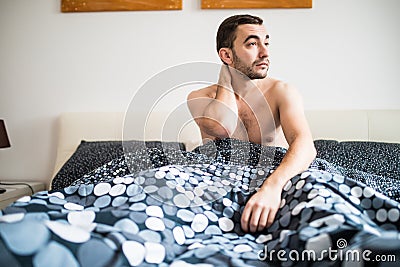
(256, 122)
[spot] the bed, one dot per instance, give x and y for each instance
(176, 202)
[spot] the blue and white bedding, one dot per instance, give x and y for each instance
(166, 207)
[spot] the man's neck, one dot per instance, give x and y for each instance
(242, 84)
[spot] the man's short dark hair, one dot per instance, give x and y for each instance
(226, 34)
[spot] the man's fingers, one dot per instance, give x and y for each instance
(225, 77)
(223, 72)
(244, 221)
(263, 220)
(225, 69)
(254, 219)
(271, 217)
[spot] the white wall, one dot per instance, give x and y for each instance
(341, 54)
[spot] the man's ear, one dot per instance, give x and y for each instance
(226, 55)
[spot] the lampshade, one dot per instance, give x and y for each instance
(4, 142)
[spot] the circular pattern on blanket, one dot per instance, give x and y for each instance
(55, 255)
(199, 223)
(200, 188)
(147, 228)
(16, 234)
(94, 253)
(134, 252)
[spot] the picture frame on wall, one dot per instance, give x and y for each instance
(240, 4)
(119, 5)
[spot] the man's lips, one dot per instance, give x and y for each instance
(263, 64)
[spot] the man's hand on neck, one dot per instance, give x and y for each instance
(241, 84)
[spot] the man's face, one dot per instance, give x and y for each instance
(250, 51)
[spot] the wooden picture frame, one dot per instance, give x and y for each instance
(118, 5)
(236, 4)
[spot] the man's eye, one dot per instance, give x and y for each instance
(266, 44)
(252, 43)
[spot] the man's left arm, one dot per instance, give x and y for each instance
(262, 207)
(295, 127)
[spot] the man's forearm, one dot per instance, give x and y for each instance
(297, 159)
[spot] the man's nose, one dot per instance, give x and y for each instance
(264, 52)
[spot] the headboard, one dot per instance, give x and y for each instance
(341, 125)
(355, 125)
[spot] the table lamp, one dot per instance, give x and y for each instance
(4, 142)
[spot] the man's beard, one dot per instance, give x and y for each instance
(247, 70)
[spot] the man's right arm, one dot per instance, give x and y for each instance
(216, 116)
(213, 115)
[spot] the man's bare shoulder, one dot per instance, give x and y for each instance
(208, 92)
(275, 87)
(282, 94)
(269, 83)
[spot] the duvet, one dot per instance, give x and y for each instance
(165, 207)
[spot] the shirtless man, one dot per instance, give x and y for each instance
(248, 105)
